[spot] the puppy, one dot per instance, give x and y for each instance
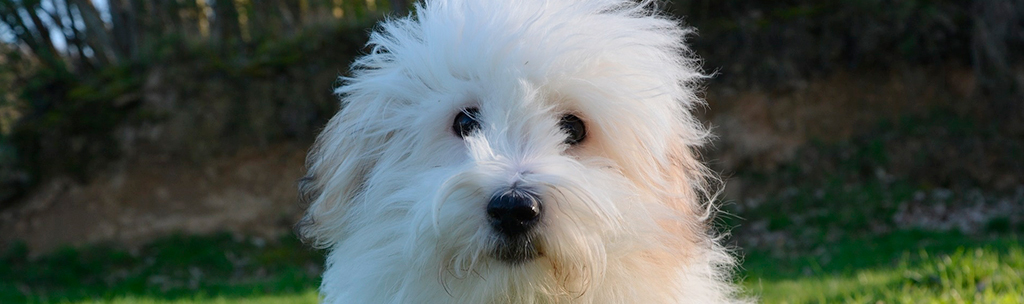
(529, 151)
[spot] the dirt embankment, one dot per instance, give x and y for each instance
(134, 201)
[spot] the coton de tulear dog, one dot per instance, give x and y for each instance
(528, 151)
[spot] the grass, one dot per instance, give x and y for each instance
(177, 269)
(899, 267)
(309, 296)
(902, 267)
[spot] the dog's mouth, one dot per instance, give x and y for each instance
(517, 250)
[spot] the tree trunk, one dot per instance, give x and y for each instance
(96, 34)
(123, 28)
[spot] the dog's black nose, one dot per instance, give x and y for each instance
(513, 212)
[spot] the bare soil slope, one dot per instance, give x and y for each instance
(252, 192)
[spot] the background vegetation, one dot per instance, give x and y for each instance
(903, 185)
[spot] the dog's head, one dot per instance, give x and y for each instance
(515, 137)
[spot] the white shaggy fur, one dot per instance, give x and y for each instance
(399, 198)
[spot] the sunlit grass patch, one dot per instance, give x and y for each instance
(976, 272)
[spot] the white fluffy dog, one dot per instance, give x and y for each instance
(530, 151)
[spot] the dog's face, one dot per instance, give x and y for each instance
(535, 147)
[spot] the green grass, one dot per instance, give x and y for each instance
(177, 269)
(308, 296)
(901, 267)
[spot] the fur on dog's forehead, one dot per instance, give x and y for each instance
(587, 56)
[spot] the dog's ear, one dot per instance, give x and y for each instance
(691, 182)
(690, 186)
(337, 165)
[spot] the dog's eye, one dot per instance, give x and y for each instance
(574, 127)
(466, 122)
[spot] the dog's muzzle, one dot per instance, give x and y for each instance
(513, 214)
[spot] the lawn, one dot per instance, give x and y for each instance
(177, 269)
(899, 267)
(902, 267)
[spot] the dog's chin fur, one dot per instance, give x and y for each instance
(399, 198)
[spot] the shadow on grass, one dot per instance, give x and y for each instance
(175, 268)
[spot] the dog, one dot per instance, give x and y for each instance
(529, 151)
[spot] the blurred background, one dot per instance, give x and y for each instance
(873, 150)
